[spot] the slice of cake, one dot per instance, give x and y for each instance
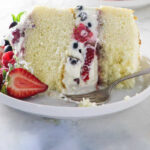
(76, 50)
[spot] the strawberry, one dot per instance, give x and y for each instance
(82, 33)
(86, 67)
(22, 84)
(8, 58)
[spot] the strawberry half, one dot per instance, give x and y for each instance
(22, 84)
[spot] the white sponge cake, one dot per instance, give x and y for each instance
(119, 39)
(47, 44)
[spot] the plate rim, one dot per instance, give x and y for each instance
(63, 112)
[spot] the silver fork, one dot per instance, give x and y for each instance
(101, 96)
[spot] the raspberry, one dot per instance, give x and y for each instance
(86, 67)
(82, 33)
(8, 58)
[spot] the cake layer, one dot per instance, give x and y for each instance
(119, 39)
(46, 45)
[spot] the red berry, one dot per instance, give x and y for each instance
(23, 84)
(86, 67)
(16, 36)
(82, 33)
(8, 58)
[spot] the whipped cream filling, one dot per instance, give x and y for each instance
(16, 37)
(81, 68)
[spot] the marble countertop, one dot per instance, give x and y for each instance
(121, 131)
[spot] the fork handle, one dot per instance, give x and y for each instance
(137, 74)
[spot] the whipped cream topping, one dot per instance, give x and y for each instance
(81, 68)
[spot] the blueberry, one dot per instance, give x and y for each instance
(7, 48)
(23, 34)
(13, 24)
(80, 51)
(33, 26)
(75, 45)
(77, 80)
(80, 7)
(73, 60)
(6, 42)
(89, 24)
(83, 16)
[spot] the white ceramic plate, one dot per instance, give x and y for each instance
(54, 108)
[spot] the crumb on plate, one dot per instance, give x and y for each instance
(86, 103)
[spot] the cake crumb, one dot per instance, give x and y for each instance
(127, 97)
(86, 103)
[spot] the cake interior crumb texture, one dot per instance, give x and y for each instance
(46, 45)
(119, 37)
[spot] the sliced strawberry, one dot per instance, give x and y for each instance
(8, 58)
(86, 67)
(22, 84)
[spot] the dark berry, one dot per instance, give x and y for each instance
(83, 16)
(79, 7)
(75, 45)
(6, 42)
(23, 34)
(89, 24)
(77, 80)
(80, 51)
(7, 48)
(33, 26)
(13, 24)
(73, 60)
